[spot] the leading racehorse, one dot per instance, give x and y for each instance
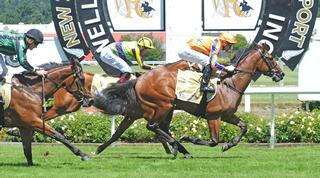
(25, 110)
(152, 96)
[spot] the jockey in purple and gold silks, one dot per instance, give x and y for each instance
(120, 55)
(197, 50)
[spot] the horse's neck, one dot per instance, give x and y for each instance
(242, 79)
(56, 78)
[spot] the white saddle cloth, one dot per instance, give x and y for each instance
(188, 86)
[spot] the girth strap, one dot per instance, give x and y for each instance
(232, 88)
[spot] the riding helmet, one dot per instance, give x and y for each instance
(35, 34)
(227, 36)
(146, 42)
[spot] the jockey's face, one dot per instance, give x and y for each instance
(143, 51)
(226, 46)
(31, 43)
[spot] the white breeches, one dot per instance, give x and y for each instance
(193, 56)
(108, 57)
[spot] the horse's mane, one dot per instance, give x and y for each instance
(117, 98)
(52, 65)
(172, 63)
(240, 54)
(30, 78)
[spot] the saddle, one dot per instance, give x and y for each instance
(188, 86)
(5, 91)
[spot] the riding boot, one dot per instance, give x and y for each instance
(1, 112)
(124, 77)
(1, 104)
(207, 72)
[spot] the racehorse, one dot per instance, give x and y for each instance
(25, 109)
(152, 96)
(66, 101)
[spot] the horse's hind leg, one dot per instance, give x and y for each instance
(164, 125)
(243, 130)
(156, 129)
(26, 136)
(124, 125)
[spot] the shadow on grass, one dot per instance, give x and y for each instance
(18, 164)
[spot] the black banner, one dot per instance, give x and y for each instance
(68, 31)
(287, 27)
(97, 28)
(298, 35)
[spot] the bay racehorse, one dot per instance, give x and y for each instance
(25, 110)
(152, 96)
(67, 100)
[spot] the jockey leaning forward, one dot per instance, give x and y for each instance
(197, 50)
(120, 55)
(18, 44)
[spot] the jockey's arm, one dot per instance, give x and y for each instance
(140, 62)
(23, 59)
(214, 58)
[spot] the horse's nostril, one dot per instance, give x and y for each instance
(283, 74)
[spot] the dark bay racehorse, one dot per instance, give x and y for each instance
(25, 109)
(152, 96)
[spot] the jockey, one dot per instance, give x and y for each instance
(197, 50)
(120, 55)
(18, 44)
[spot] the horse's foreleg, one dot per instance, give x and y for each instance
(243, 130)
(164, 125)
(124, 125)
(26, 136)
(49, 131)
(214, 127)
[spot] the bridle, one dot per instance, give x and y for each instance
(78, 79)
(270, 73)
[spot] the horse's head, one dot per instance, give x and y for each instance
(67, 76)
(268, 65)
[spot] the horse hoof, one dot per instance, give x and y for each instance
(187, 156)
(184, 138)
(85, 158)
(98, 151)
(224, 148)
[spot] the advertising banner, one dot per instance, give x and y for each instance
(219, 15)
(67, 28)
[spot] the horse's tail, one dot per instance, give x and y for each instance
(115, 99)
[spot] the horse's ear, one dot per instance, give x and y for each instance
(254, 45)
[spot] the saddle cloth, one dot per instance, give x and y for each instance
(188, 86)
(100, 82)
(5, 91)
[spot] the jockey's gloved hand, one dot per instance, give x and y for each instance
(230, 68)
(41, 72)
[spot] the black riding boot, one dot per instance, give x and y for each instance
(1, 113)
(207, 72)
(124, 77)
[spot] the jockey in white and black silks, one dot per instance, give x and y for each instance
(205, 50)
(120, 55)
(18, 44)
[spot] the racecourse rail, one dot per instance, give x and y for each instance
(273, 91)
